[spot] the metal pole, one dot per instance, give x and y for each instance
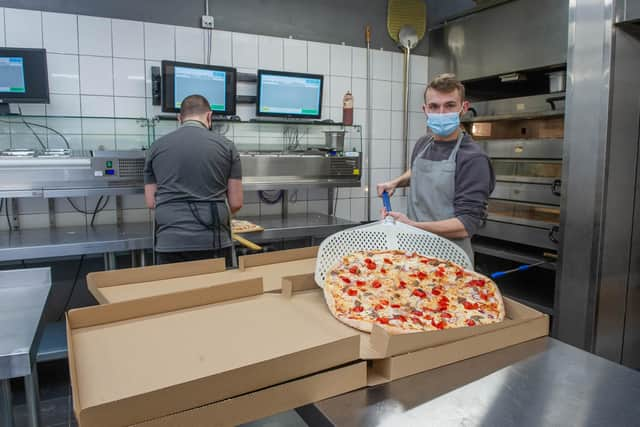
(368, 125)
(6, 404)
(405, 112)
(32, 393)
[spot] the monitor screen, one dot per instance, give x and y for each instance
(23, 76)
(289, 94)
(217, 84)
(12, 75)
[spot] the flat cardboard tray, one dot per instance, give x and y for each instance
(270, 401)
(135, 283)
(394, 356)
(141, 360)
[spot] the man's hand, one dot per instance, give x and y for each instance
(398, 216)
(389, 187)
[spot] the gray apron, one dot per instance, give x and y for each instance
(432, 190)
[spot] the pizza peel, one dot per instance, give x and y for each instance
(386, 234)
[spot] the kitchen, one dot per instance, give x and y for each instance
(553, 102)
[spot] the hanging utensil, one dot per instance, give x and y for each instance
(406, 24)
(367, 36)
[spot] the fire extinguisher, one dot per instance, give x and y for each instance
(347, 109)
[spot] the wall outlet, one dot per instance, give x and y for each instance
(207, 21)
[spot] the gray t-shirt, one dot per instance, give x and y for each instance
(475, 179)
(191, 167)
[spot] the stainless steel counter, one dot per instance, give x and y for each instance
(69, 241)
(23, 295)
(72, 241)
(539, 383)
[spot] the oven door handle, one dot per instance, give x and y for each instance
(556, 186)
(553, 234)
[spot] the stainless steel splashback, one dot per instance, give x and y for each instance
(518, 35)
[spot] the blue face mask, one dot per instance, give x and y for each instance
(443, 124)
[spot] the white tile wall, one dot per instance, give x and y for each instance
(61, 105)
(339, 86)
(101, 67)
(130, 107)
(128, 77)
(128, 38)
(245, 50)
(340, 60)
(23, 28)
(94, 36)
(359, 62)
(270, 53)
(64, 73)
(318, 58)
(159, 41)
(221, 48)
(97, 106)
(2, 28)
(381, 95)
(96, 75)
(397, 66)
(295, 55)
(359, 92)
(60, 32)
(190, 45)
(381, 65)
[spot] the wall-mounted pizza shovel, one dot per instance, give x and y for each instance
(386, 234)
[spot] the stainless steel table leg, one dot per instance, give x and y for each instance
(143, 260)
(6, 404)
(32, 394)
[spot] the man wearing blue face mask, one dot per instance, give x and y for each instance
(451, 177)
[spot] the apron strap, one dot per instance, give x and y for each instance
(454, 152)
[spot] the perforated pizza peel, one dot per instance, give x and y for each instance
(387, 234)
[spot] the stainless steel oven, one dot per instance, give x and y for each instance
(526, 155)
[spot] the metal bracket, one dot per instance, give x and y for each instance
(119, 209)
(51, 206)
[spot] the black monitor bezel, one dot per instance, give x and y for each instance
(288, 74)
(10, 98)
(167, 86)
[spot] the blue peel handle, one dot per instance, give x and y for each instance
(502, 273)
(386, 201)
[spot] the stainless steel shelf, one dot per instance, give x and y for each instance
(505, 251)
(28, 244)
(515, 116)
(72, 241)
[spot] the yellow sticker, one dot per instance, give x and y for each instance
(356, 171)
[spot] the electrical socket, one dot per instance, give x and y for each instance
(207, 21)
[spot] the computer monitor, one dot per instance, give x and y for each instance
(23, 77)
(284, 94)
(217, 84)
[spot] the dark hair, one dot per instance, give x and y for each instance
(194, 105)
(446, 83)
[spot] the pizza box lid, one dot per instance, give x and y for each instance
(380, 343)
(138, 360)
(141, 282)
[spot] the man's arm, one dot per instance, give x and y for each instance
(390, 186)
(451, 228)
(150, 195)
(234, 194)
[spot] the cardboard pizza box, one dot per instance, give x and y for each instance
(394, 356)
(141, 282)
(141, 360)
